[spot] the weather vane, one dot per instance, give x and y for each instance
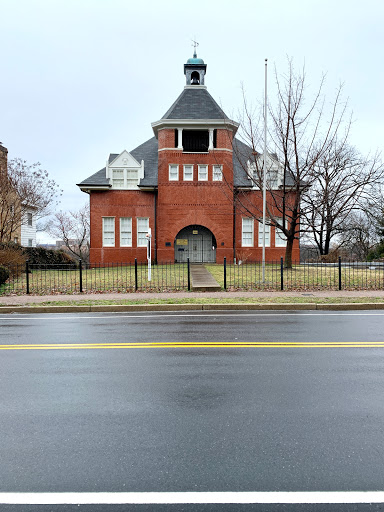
(195, 45)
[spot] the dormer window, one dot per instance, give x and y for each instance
(118, 178)
(132, 178)
(125, 178)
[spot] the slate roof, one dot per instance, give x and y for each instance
(146, 151)
(149, 153)
(242, 153)
(195, 103)
(97, 179)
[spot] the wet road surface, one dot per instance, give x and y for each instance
(272, 416)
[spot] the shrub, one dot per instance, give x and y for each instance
(377, 252)
(11, 255)
(4, 274)
(42, 256)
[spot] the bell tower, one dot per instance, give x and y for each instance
(195, 70)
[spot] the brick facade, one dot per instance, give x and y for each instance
(207, 207)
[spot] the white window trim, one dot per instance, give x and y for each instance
(114, 232)
(280, 240)
(221, 173)
(184, 178)
(137, 231)
(242, 232)
(198, 172)
(120, 170)
(124, 178)
(169, 173)
(260, 234)
(121, 241)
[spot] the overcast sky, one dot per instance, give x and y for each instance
(84, 78)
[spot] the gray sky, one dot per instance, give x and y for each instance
(84, 78)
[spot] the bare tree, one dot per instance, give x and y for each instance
(358, 235)
(342, 183)
(300, 132)
(73, 229)
(24, 187)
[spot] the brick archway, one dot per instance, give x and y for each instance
(197, 243)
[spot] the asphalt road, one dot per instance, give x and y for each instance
(194, 402)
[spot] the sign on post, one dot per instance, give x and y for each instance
(149, 237)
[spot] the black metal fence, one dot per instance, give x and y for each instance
(130, 277)
(95, 278)
(342, 275)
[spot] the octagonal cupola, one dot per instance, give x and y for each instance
(194, 70)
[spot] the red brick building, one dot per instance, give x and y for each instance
(188, 183)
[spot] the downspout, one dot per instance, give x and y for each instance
(234, 224)
(155, 240)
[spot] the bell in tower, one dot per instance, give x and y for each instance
(195, 70)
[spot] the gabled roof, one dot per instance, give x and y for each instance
(148, 151)
(195, 103)
(241, 154)
(96, 180)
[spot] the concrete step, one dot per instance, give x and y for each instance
(202, 280)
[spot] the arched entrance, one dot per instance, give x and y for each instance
(196, 243)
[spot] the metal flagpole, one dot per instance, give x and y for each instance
(264, 168)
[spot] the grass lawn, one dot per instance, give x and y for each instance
(300, 277)
(208, 300)
(173, 277)
(98, 280)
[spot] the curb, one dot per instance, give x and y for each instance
(117, 308)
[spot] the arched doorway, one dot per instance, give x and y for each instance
(196, 243)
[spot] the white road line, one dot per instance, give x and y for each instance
(203, 314)
(161, 498)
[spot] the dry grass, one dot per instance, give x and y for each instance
(301, 277)
(100, 280)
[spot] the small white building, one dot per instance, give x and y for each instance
(28, 228)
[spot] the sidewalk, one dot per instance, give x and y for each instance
(369, 299)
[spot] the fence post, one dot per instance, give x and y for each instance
(81, 275)
(225, 273)
(339, 272)
(281, 274)
(136, 284)
(27, 274)
(189, 275)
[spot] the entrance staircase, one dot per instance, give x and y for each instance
(202, 280)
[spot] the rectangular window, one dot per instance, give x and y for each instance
(125, 232)
(280, 239)
(30, 242)
(29, 219)
(142, 231)
(195, 141)
(203, 172)
(217, 173)
(173, 173)
(132, 178)
(272, 178)
(118, 178)
(247, 232)
(188, 172)
(267, 235)
(108, 231)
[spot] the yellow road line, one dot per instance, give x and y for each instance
(202, 344)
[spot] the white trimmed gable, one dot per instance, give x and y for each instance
(274, 171)
(125, 172)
